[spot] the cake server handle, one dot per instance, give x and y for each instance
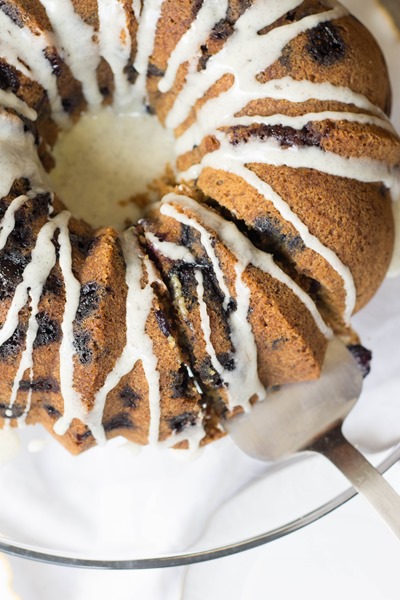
(361, 474)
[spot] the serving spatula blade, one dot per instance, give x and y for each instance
(309, 416)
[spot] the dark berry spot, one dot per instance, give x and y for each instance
(53, 285)
(383, 190)
(363, 357)
(14, 344)
(51, 411)
(55, 60)
(8, 78)
(278, 343)
(154, 71)
(121, 421)
(272, 238)
(40, 205)
(188, 283)
(89, 300)
(3, 207)
(82, 340)
(21, 236)
(150, 110)
(105, 91)
(325, 44)
(12, 265)
(129, 397)
(182, 421)
(207, 373)
(131, 73)
(49, 331)
(41, 384)
(226, 360)
(81, 437)
(285, 135)
(180, 383)
(14, 412)
(70, 104)
(13, 13)
(162, 322)
(82, 243)
(187, 237)
(221, 30)
(205, 56)
(213, 292)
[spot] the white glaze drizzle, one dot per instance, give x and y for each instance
(245, 62)
(28, 404)
(238, 244)
(170, 250)
(188, 47)
(244, 376)
(73, 406)
(8, 221)
(245, 54)
(243, 382)
(30, 289)
(29, 49)
(203, 127)
(146, 34)
(76, 42)
(195, 433)
(35, 276)
(310, 240)
(138, 346)
(10, 100)
(137, 9)
(115, 47)
(237, 97)
(18, 157)
(175, 252)
(270, 152)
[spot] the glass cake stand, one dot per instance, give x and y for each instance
(197, 553)
(110, 509)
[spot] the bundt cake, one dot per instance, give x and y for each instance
(277, 227)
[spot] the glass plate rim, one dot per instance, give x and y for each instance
(188, 558)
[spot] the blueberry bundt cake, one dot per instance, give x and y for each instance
(277, 227)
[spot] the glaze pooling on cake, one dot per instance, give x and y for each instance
(183, 289)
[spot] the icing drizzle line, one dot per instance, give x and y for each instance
(244, 376)
(82, 47)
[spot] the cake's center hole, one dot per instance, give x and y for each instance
(106, 163)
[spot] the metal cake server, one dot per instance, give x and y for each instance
(309, 416)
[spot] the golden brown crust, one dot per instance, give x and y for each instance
(353, 219)
(289, 345)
